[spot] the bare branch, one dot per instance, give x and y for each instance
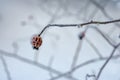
(50, 65)
(102, 9)
(111, 55)
(76, 55)
(78, 25)
(95, 49)
(92, 60)
(6, 68)
(85, 64)
(46, 68)
(103, 35)
(88, 76)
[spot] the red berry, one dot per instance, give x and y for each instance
(36, 42)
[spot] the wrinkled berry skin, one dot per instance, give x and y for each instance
(36, 42)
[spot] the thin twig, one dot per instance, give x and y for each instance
(6, 68)
(102, 9)
(94, 47)
(111, 55)
(78, 25)
(50, 65)
(103, 35)
(89, 61)
(84, 64)
(39, 65)
(76, 55)
(88, 76)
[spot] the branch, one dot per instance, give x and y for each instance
(88, 76)
(76, 55)
(84, 64)
(102, 9)
(6, 68)
(46, 68)
(78, 25)
(94, 47)
(103, 35)
(111, 55)
(50, 65)
(89, 61)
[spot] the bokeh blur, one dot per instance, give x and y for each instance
(63, 55)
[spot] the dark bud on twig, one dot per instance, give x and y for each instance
(81, 35)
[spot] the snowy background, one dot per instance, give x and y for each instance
(21, 19)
